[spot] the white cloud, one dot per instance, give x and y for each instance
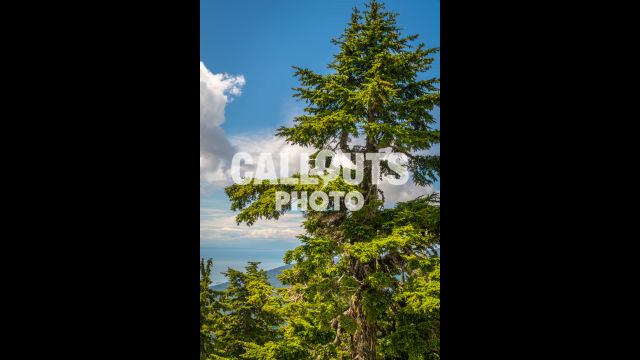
(216, 149)
(216, 90)
(254, 145)
(401, 193)
(218, 227)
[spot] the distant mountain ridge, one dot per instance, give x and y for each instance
(272, 274)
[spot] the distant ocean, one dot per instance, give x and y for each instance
(237, 259)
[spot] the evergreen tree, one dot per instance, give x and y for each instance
(250, 315)
(365, 284)
(209, 311)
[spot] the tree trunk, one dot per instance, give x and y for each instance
(363, 344)
(364, 340)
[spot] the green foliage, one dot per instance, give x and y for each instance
(365, 284)
(250, 314)
(210, 310)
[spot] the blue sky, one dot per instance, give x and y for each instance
(255, 43)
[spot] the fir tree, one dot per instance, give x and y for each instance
(209, 311)
(250, 315)
(365, 284)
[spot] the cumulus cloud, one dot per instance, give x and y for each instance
(216, 151)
